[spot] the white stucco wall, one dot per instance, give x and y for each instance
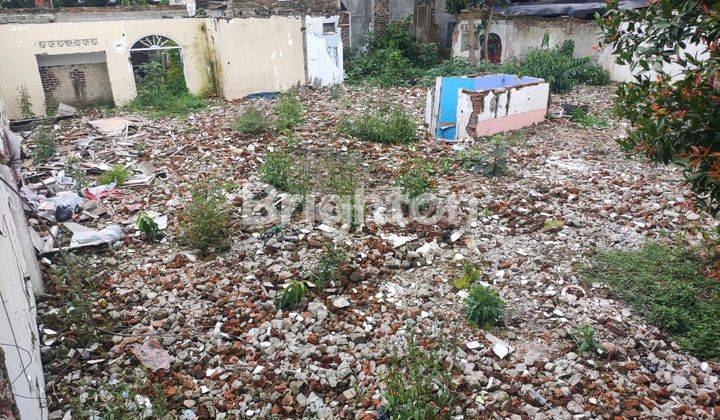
(324, 51)
(255, 55)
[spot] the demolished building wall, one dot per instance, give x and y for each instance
(20, 359)
(257, 55)
(26, 42)
(243, 55)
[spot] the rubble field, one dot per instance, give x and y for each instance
(205, 332)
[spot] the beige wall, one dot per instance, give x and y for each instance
(256, 55)
(19, 43)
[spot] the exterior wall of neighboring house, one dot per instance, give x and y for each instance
(518, 35)
(24, 394)
(257, 55)
(444, 23)
(324, 50)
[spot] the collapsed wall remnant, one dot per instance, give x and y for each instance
(460, 108)
(22, 384)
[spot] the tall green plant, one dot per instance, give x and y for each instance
(24, 103)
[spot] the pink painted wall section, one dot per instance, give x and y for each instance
(511, 122)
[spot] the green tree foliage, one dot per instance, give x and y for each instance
(674, 114)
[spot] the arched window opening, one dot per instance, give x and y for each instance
(157, 60)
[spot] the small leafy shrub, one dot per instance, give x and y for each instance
(582, 118)
(587, 72)
(665, 284)
(342, 179)
(77, 173)
(206, 226)
(25, 103)
(470, 275)
(419, 386)
(51, 105)
(117, 174)
(584, 339)
(558, 67)
(673, 112)
(284, 173)
(483, 306)
(288, 112)
(291, 295)
(385, 67)
(45, 145)
(326, 268)
(415, 178)
(491, 164)
(250, 122)
(396, 127)
(147, 226)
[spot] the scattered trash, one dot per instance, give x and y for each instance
(86, 237)
(111, 126)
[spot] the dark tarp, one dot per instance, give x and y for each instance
(575, 8)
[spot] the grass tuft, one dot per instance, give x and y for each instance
(326, 268)
(396, 127)
(288, 112)
(285, 173)
(250, 122)
(418, 385)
